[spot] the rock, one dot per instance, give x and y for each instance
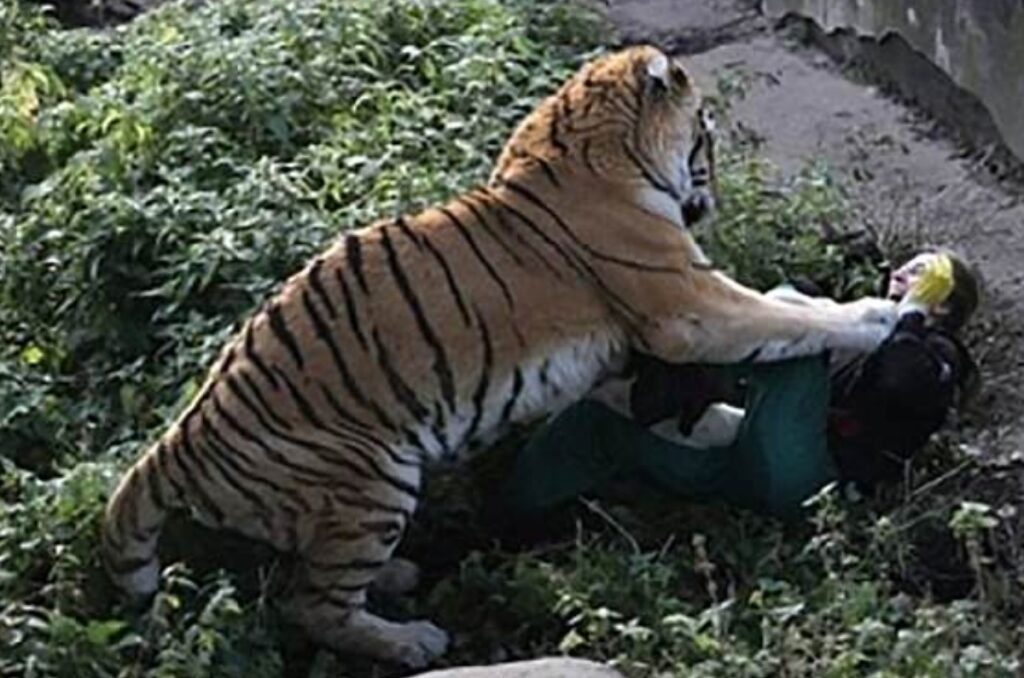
(681, 27)
(549, 667)
(978, 43)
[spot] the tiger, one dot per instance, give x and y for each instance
(406, 343)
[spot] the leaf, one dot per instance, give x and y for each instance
(102, 632)
(32, 355)
(571, 641)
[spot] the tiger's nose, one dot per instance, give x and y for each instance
(696, 206)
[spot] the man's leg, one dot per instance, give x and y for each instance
(781, 455)
(578, 451)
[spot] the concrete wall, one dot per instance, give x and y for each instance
(978, 43)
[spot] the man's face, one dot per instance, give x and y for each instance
(906, 275)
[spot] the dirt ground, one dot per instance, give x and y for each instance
(905, 179)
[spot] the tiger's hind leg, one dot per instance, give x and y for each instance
(351, 552)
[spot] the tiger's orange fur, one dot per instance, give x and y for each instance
(408, 341)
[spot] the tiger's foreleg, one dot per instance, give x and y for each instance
(729, 323)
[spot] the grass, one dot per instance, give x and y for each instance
(158, 180)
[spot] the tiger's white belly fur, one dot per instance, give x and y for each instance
(548, 384)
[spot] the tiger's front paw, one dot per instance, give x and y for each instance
(873, 321)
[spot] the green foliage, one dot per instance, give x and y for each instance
(159, 179)
(768, 231)
(749, 600)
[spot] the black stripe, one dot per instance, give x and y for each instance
(318, 287)
(499, 214)
(262, 418)
(518, 153)
(354, 256)
(331, 457)
(227, 362)
(464, 232)
(127, 565)
(554, 134)
(460, 303)
(375, 468)
(352, 588)
(350, 309)
(356, 564)
(309, 475)
(535, 229)
(442, 368)
(549, 171)
(323, 333)
(250, 352)
(544, 207)
(195, 486)
(333, 531)
(156, 493)
(229, 469)
(367, 457)
(264, 403)
(650, 176)
(162, 455)
(355, 430)
(486, 226)
(587, 160)
(555, 137)
(405, 395)
(305, 407)
(480, 393)
(438, 430)
(352, 424)
(348, 381)
(230, 452)
(543, 373)
(283, 334)
(381, 527)
(517, 388)
(624, 312)
(403, 226)
(364, 502)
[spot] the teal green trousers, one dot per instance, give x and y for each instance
(779, 458)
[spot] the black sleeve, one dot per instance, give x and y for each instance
(664, 390)
(904, 391)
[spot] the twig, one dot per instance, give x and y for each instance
(596, 509)
(934, 482)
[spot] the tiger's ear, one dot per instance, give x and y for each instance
(658, 68)
(679, 74)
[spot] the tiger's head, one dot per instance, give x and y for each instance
(634, 118)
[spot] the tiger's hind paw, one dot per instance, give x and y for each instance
(417, 644)
(413, 644)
